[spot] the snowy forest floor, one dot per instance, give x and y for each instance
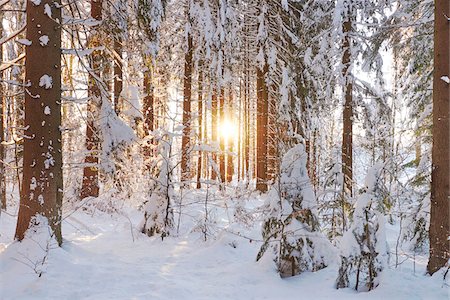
(105, 257)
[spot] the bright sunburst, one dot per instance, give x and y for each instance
(228, 130)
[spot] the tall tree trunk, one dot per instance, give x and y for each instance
(148, 109)
(314, 163)
(347, 135)
(200, 122)
(240, 138)
(230, 141)
(118, 74)
(214, 131)
(42, 161)
(247, 124)
(221, 135)
(440, 176)
(185, 140)
(262, 126)
(2, 130)
(246, 139)
(90, 185)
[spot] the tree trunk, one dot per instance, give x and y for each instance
(148, 109)
(347, 135)
(118, 74)
(261, 131)
(214, 131)
(42, 161)
(221, 136)
(240, 138)
(186, 139)
(2, 130)
(247, 125)
(230, 141)
(440, 176)
(90, 187)
(200, 122)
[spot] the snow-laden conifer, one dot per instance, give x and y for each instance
(158, 216)
(364, 251)
(291, 230)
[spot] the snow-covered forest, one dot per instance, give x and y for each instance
(224, 149)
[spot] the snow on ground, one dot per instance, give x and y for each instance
(104, 257)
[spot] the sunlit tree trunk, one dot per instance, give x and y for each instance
(118, 74)
(247, 124)
(200, 122)
(221, 136)
(240, 137)
(148, 109)
(214, 130)
(42, 161)
(230, 165)
(262, 127)
(440, 176)
(187, 95)
(90, 185)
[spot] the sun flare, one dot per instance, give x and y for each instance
(228, 130)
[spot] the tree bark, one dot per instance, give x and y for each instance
(90, 186)
(347, 135)
(440, 175)
(118, 74)
(230, 141)
(200, 122)
(187, 95)
(214, 130)
(2, 130)
(148, 111)
(221, 136)
(42, 187)
(261, 130)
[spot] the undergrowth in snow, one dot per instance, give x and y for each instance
(104, 256)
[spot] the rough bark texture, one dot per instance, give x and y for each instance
(2, 130)
(148, 103)
(347, 135)
(247, 127)
(187, 94)
(230, 165)
(221, 136)
(148, 110)
(118, 75)
(440, 176)
(214, 130)
(262, 107)
(90, 187)
(42, 187)
(200, 122)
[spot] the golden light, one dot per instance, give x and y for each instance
(228, 130)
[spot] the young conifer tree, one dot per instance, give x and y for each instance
(364, 253)
(292, 228)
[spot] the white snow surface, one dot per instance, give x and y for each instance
(104, 257)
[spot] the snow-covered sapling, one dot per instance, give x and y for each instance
(364, 251)
(292, 229)
(158, 217)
